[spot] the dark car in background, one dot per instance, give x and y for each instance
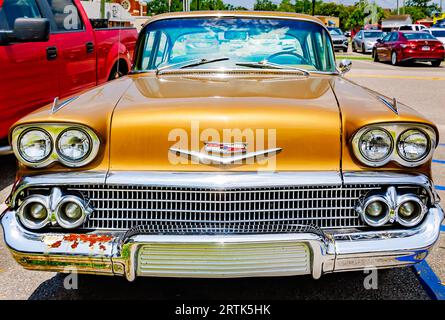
(339, 40)
(365, 40)
(410, 46)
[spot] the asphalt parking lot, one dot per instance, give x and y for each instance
(420, 86)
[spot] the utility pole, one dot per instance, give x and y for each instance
(313, 7)
(398, 9)
(102, 9)
(197, 4)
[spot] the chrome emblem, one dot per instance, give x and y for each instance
(225, 148)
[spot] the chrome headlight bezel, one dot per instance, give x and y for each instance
(66, 159)
(55, 130)
(395, 130)
(399, 140)
(23, 133)
(382, 159)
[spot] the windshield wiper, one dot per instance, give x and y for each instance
(190, 64)
(264, 64)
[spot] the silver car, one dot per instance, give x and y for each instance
(339, 40)
(364, 40)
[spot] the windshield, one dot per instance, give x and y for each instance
(335, 32)
(438, 33)
(416, 36)
(373, 34)
(285, 42)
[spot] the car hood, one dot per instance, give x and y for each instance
(297, 114)
(338, 37)
(310, 119)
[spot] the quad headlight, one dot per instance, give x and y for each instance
(34, 145)
(408, 144)
(73, 145)
(376, 145)
(413, 145)
(40, 145)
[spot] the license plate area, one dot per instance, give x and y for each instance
(223, 260)
(426, 48)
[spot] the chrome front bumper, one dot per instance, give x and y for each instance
(214, 256)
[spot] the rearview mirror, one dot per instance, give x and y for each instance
(344, 66)
(26, 30)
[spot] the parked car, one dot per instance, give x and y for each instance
(438, 33)
(364, 40)
(412, 27)
(339, 39)
(410, 46)
(225, 154)
(49, 49)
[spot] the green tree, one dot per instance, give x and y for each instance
(265, 5)
(416, 13)
(208, 5)
(286, 6)
(161, 6)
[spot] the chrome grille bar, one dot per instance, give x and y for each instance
(206, 210)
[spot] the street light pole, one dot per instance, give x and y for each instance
(313, 7)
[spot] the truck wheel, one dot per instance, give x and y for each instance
(436, 63)
(117, 73)
(375, 56)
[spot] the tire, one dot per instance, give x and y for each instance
(345, 50)
(375, 56)
(353, 47)
(363, 49)
(116, 72)
(436, 63)
(394, 61)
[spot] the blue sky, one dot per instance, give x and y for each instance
(384, 3)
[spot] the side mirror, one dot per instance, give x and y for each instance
(31, 30)
(344, 66)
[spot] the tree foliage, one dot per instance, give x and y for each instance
(265, 5)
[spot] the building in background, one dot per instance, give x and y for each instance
(330, 21)
(393, 22)
(134, 7)
(115, 14)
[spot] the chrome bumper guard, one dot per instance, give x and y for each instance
(224, 255)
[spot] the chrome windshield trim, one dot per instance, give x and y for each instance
(283, 71)
(227, 14)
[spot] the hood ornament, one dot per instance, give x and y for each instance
(225, 153)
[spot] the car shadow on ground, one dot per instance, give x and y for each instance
(392, 284)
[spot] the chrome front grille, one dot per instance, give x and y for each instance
(242, 210)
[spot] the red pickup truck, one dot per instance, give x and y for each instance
(49, 49)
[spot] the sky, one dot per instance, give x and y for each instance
(383, 3)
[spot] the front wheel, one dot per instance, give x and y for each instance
(375, 56)
(436, 63)
(394, 60)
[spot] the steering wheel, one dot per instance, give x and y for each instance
(290, 53)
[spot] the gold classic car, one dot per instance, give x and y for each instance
(235, 148)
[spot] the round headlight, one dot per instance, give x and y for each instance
(413, 145)
(34, 145)
(375, 145)
(73, 145)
